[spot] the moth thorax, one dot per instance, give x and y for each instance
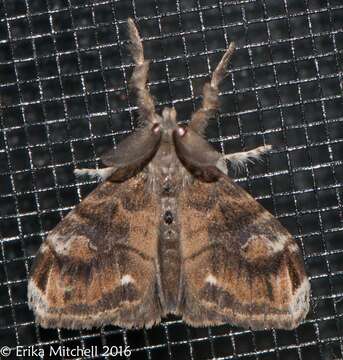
(168, 121)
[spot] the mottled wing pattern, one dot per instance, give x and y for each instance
(97, 266)
(240, 265)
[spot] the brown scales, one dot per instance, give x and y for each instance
(169, 232)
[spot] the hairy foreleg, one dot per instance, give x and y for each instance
(102, 174)
(138, 81)
(239, 159)
(210, 102)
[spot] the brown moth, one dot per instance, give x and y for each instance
(168, 231)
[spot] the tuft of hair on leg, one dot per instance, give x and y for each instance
(221, 70)
(210, 102)
(139, 77)
(101, 174)
(136, 46)
(240, 159)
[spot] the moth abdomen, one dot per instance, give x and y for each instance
(169, 256)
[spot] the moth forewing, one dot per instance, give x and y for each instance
(240, 264)
(93, 269)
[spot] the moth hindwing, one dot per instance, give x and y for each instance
(168, 231)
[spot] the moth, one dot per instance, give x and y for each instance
(168, 231)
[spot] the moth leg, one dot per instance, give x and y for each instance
(103, 174)
(210, 102)
(139, 77)
(237, 160)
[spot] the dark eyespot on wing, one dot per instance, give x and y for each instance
(42, 271)
(294, 275)
(269, 288)
(168, 217)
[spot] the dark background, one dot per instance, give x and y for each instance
(64, 70)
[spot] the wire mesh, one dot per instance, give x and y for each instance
(64, 71)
